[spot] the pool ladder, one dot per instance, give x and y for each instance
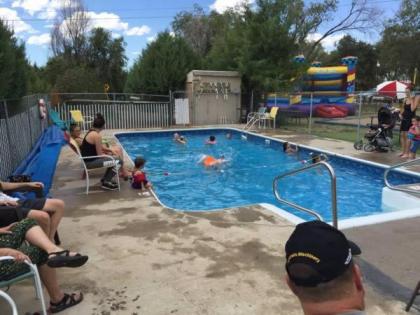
(404, 188)
(321, 164)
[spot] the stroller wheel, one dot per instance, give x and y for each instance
(369, 147)
(358, 145)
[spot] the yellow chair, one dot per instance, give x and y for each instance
(270, 117)
(83, 121)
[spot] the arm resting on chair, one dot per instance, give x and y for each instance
(22, 187)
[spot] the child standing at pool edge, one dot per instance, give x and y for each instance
(414, 136)
(139, 176)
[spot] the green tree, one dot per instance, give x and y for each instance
(367, 72)
(400, 43)
(107, 57)
(261, 41)
(78, 79)
(13, 76)
(37, 80)
(162, 66)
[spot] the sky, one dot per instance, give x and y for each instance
(138, 21)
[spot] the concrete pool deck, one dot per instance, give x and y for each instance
(145, 259)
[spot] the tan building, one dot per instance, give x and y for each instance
(214, 97)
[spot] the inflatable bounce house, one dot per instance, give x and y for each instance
(332, 90)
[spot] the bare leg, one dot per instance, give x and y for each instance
(36, 236)
(49, 279)
(42, 218)
(404, 144)
(56, 208)
(117, 150)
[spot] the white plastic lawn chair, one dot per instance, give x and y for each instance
(270, 117)
(255, 115)
(112, 163)
(83, 121)
(32, 273)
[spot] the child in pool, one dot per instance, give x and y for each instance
(179, 139)
(211, 162)
(289, 149)
(211, 140)
(139, 176)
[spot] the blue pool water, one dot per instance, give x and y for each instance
(182, 183)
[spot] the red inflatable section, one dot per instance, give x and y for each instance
(329, 111)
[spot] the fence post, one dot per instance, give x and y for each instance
(310, 114)
(252, 101)
(171, 107)
(360, 117)
(11, 147)
(29, 119)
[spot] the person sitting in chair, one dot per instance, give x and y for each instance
(46, 211)
(92, 146)
(26, 241)
(112, 150)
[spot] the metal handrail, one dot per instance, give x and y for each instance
(393, 187)
(252, 122)
(312, 212)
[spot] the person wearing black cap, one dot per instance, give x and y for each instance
(321, 271)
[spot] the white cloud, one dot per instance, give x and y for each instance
(151, 38)
(108, 21)
(138, 31)
(329, 42)
(39, 40)
(31, 6)
(14, 21)
(45, 9)
(222, 5)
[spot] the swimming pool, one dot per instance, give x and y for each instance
(180, 182)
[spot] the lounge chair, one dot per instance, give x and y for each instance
(83, 121)
(270, 117)
(32, 273)
(255, 115)
(113, 163)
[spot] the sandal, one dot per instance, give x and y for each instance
(67, 301)
(63, 259)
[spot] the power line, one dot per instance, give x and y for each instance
(147, 17)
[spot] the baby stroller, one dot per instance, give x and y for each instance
(379, 137)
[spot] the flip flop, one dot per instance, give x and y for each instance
(67, 301)
(63, 259)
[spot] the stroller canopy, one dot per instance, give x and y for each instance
(387, 117)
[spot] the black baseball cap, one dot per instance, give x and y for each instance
(317, 252)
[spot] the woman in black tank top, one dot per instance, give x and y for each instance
(92, 146)
(409, 112)
(88, 149)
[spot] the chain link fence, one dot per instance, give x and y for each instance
(343, 116)
(20, 128)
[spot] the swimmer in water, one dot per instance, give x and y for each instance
(289, 149)
(179, 139)
(211, 140)
(211, 162)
